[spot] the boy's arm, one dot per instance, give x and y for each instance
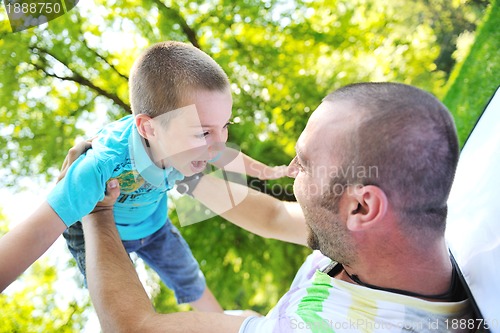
(253, 167)
(258, 213)
(26, 242)
(118, 296)
(82, 188)
(262, 171)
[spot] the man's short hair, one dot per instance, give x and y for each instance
(410, 137)
(167, 74)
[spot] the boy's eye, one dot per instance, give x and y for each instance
(202, 135)
(207, 133)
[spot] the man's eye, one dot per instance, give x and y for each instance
(228, 123)
(297, 164)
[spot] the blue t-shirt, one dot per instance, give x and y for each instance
(117, 152)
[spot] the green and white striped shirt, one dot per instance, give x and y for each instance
(318, 303)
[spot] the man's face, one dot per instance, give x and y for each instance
(195, 134)
(317, 163)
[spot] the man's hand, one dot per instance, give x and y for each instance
(112, 192)
(73, 154)
(112, 186)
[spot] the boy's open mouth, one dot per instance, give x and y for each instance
(198, 166)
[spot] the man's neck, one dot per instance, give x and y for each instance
(424, 272)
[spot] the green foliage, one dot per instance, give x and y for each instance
(35, 309)
(164, 300)
(51, 80)
(282, 58)
(449, 19)
(3, 223)
(476, 79)
(34, 305)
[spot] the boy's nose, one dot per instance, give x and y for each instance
(217, 138)
(215, 148)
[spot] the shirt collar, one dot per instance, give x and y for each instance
(146, 167)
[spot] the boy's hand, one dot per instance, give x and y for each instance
(73, 154)
(274, 172)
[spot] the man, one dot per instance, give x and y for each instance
(373, 170)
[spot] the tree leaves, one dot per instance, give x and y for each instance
(282, 58)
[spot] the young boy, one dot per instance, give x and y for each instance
(181, 103)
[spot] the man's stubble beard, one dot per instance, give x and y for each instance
(327, 232)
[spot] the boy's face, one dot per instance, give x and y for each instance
(195, 134)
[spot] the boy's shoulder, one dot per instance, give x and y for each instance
(113, 139)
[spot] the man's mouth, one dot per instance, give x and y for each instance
(198, 166)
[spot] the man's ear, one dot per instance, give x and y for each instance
(144, 126)
(366, 207)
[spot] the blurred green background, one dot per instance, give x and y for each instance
(64, 80)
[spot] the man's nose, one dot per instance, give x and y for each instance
(293, 170)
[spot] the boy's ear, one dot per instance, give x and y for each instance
(366, 207)
(144, 125)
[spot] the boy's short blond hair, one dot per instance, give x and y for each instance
(167, 74)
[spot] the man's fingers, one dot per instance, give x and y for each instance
(73, 153)
(78, 150)
(64, 168)
(112, 192)
(113, 189)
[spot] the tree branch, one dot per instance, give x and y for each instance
(168, 11)
(77, 78)
(107, 62)
(98, 55)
